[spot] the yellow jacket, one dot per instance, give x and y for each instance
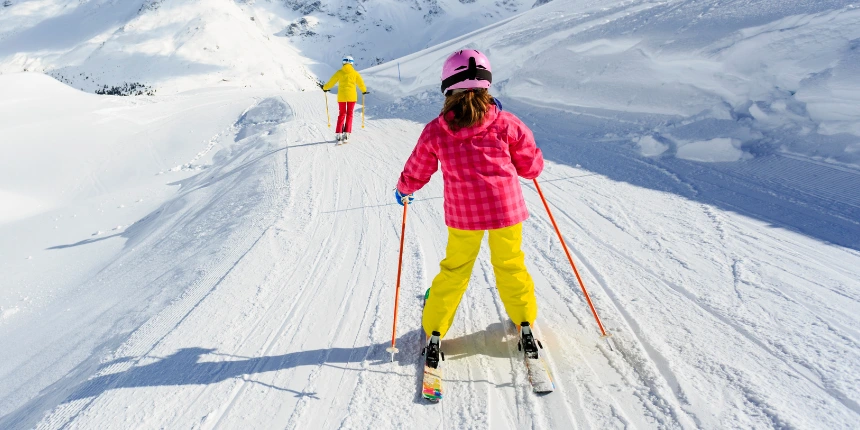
(346, 78)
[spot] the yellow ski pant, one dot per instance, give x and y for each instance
(515, 285)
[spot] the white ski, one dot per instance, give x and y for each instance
(431, 387)
(539, 374)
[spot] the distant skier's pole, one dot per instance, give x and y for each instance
(398, 72)
(576, 272)
(327, 116)
(393, 348)
(362, 110)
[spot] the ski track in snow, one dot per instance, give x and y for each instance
(259, 294)
(287, 323)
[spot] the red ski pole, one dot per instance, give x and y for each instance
(576, 272)
(393, 349)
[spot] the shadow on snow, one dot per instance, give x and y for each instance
(184, 367)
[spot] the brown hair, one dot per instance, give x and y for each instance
(469, 108)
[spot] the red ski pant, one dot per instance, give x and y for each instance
(344, 117)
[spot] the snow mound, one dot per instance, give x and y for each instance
(650, 147)
(18, 87)
(714, 150)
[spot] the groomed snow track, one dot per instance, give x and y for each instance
(286, 252)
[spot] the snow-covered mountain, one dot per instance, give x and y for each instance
(207, 258)
(176, 45)
(329, 29)
(168, 46)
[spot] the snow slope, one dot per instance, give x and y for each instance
(80, 166)
(284, 252)
(760, 76)
(100, 169)
(253, 285)
(172, 46)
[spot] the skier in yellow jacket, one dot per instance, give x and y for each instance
(347, 79)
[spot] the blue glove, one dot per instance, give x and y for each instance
(401, 198)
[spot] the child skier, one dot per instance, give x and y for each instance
(347, 79)
(482, 150)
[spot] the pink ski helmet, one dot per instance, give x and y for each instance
(466, 69)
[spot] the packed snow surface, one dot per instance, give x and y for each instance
(208, 258)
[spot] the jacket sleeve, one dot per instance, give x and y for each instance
(420, 166)
(331, 82)
(360, 82)
(525, 155)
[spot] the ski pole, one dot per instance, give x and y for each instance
(327, 116)
(362, 110)
(603, 332)
(393, 349)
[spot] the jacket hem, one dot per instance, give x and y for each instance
(488, 226)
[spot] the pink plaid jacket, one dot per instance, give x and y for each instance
(480, 166)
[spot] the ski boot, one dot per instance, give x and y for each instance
(528, 343)
(345, 138)
(433, 351)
